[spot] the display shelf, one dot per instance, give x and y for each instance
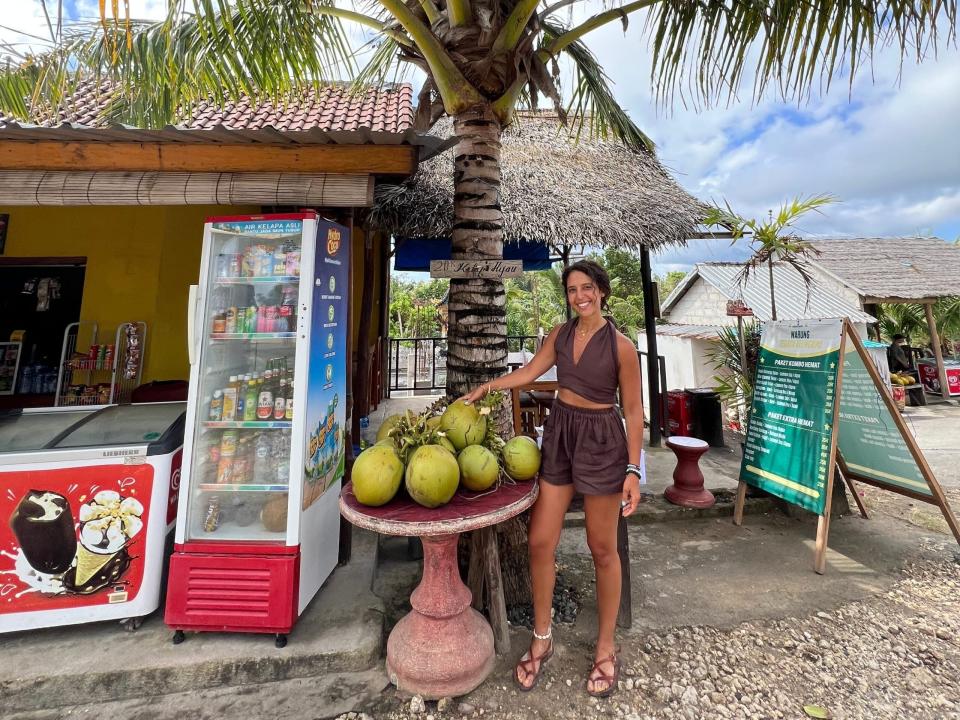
(257, 279)
(229, 530)
(255, 337)
(252, 424)
(231, 487)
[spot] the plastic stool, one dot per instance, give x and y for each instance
(687, 489)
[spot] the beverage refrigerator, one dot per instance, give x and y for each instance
(87, 503)
(258, 524)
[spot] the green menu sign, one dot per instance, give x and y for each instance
(788, 450)
(871, 445)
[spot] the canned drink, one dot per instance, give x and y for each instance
(228, 443)
(231, 324)
(108, 359)
(211, 519)
(102, 357)
(93, 353)
(225, 470)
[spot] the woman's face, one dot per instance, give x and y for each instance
(583, 295)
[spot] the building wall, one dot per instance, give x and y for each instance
(702, 304)
(140, 264)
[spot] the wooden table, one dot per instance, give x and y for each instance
(442, 647)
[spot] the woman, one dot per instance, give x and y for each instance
(585, 450)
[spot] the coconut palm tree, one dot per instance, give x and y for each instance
(773, 240)
(482, 59)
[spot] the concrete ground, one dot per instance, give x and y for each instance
(695, 570)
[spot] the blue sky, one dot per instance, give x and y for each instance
(886, 146)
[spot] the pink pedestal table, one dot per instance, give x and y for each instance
(687, 489)
(442, 647)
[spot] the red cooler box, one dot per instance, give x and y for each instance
(679, 413)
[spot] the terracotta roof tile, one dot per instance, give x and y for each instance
(332, 107)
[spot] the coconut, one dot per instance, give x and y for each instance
(376, 475)
(387, 425)
(478, 467)
(463, 424)
(444, 442)
(521, 457)
(433, 423)
(432, 476)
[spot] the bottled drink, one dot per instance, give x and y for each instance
(220, 323)
(288, 310)
(263, 468)
(250, 398)
(231, 322)
(282, 450)
(280, 400)
(216, 406)
(241, 397)
(288, 414)
(229, 411)
(228, 452)
(293, 260)
(265, 399)
(270, 319)
(211, 519)
(251, 323)
(279, 260)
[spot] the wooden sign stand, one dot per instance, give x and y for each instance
(838, 464)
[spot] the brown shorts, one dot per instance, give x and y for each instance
(585, 447)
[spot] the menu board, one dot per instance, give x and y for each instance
(324, 459)
(790, 432)
(870, 442)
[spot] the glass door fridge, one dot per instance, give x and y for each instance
(257, 531)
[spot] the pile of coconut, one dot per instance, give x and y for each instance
(434, 454)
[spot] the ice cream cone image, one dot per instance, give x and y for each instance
(88, 564)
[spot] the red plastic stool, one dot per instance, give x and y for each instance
(687, 489)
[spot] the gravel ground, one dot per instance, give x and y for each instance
(895, 655)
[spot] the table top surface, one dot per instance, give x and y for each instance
(466, 511)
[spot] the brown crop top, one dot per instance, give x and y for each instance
(597, 375)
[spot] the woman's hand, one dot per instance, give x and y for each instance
(631, 494)
(475, 394)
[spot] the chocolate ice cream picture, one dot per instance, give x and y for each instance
(44, 527)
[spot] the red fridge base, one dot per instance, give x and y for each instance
(233, 593)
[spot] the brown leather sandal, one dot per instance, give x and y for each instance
(611, 680)
(530, 667)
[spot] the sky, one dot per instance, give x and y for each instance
(888, 148)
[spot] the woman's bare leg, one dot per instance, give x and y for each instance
(546, 522)
(602, 514)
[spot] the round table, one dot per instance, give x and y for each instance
(442, 647)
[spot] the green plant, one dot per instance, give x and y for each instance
(773, 240)
(737, 370)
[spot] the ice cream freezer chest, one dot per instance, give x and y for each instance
(87, 501)
(931, 378)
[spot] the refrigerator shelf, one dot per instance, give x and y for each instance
(255, 337)
(230, 487)
(231, 531)
(257, 279)
(252, 424)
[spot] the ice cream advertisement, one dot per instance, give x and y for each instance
(74, 538)
(327, 384)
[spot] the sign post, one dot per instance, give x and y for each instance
(469, 269)
(819, 403)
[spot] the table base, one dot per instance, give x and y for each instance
(442, 647)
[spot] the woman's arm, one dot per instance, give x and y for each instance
(545, 359)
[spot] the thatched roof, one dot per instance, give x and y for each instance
(555, 190)
(902, 268)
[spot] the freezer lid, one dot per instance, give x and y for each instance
(159, 426)
(37, 428)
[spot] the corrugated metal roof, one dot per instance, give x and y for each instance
(694, 332)
(793, 300)
(906, 268)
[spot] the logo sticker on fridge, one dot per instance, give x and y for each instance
(72, 537)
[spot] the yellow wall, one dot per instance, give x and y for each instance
(140, 264)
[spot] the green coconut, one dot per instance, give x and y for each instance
(521, 457)
(376, 475)
(433, 423)
(432, 476)
(478, 467)
(463, 424)
(386, 442)
(444, 442)
(387, 425)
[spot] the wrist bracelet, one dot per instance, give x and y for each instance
(635, 471)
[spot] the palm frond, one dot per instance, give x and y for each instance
(707, 46)
(223, 50)
(592, 103)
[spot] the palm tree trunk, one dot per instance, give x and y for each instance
(477, 344)
(773, 299)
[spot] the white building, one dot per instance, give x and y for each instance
(698, 307)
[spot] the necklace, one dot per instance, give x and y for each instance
(585, 332)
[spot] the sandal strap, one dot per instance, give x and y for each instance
(529, 662)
